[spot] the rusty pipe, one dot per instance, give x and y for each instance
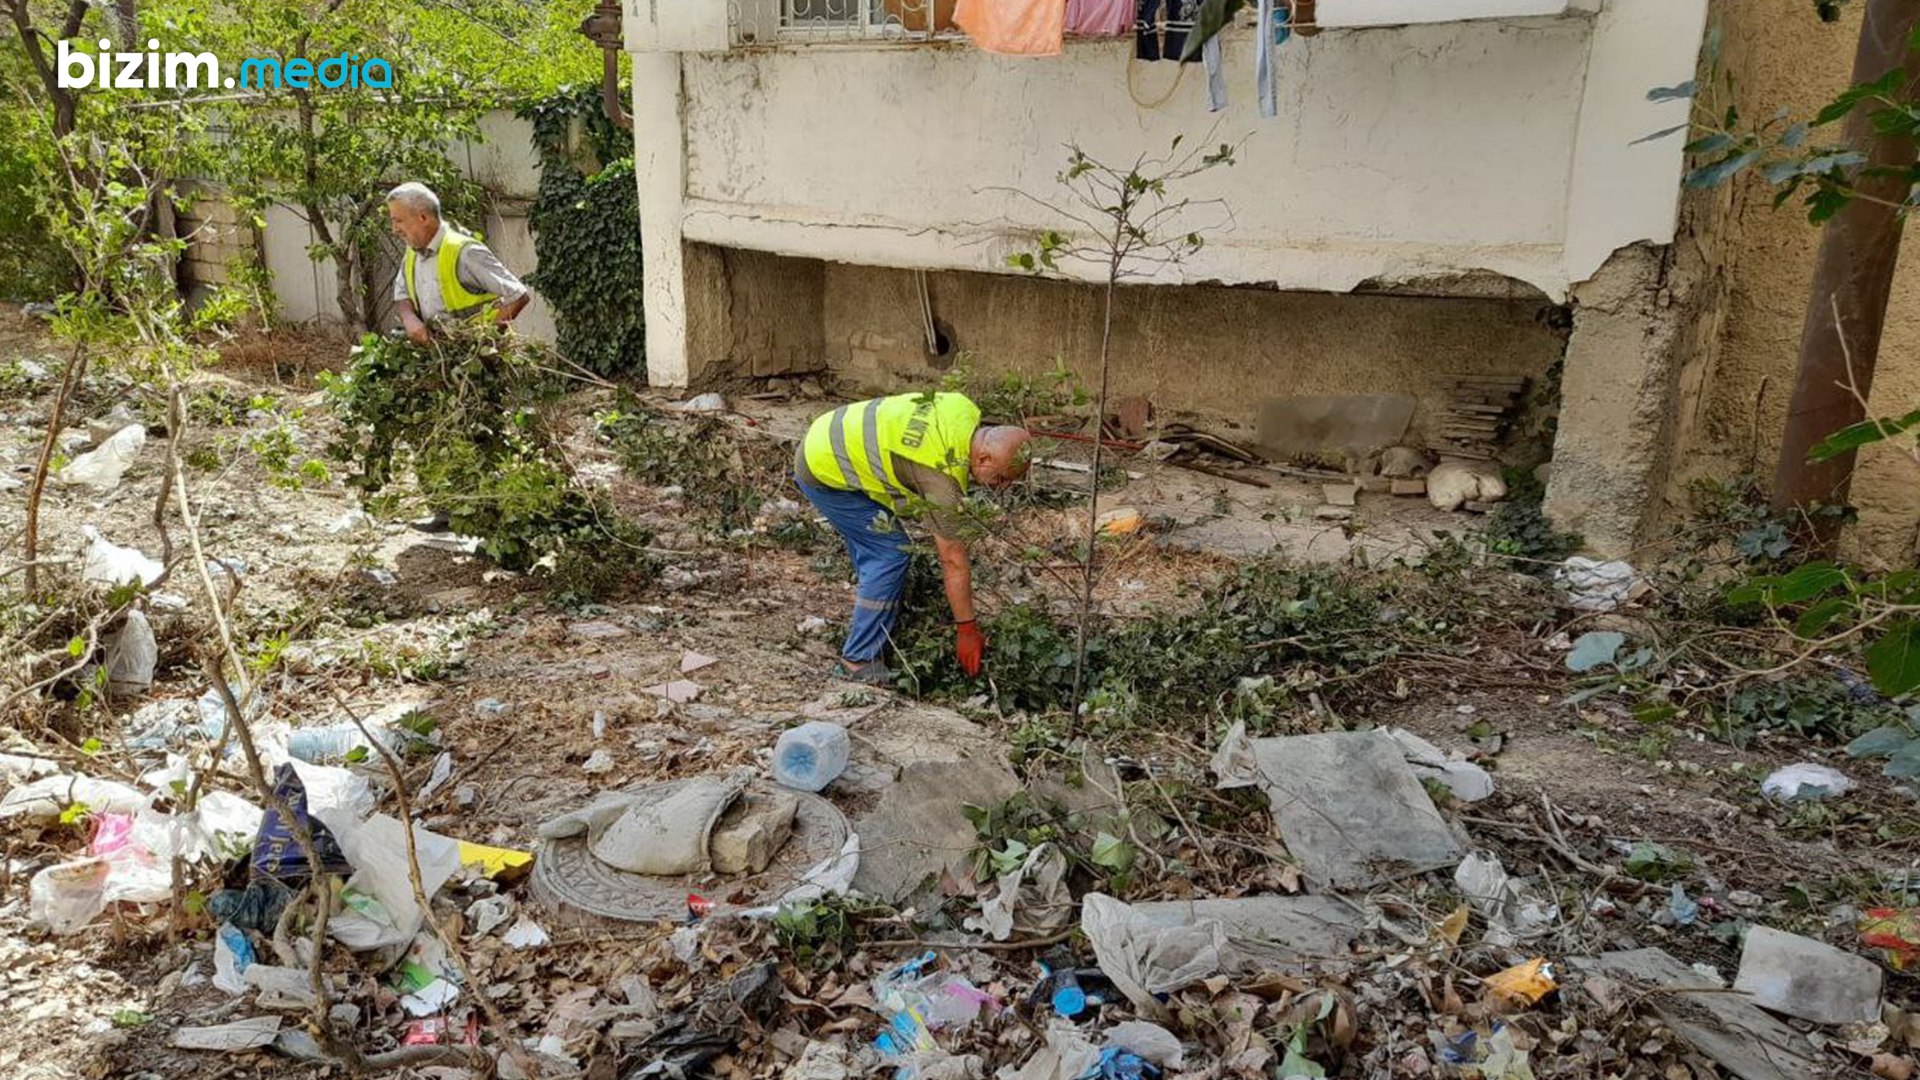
(603, 28)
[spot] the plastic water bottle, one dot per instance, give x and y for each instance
(811, 756)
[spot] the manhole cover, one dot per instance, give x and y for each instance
(580, 889)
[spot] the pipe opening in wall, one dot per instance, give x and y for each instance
(940, 347)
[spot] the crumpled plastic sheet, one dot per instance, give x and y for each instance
(1033, 897)
(1144, 960)
(1234, 763)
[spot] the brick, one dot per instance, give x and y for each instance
(751, 832)
(1416, 486)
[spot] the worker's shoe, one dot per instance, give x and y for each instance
(871, 673)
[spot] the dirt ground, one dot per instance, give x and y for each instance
(380, 614)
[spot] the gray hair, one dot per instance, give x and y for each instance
(417, 195)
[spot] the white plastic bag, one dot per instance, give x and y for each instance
(131, 655)
(43, 800)
(66, 896)
(100, 469)
(377, 848)
(107, 563)
(1143, 959)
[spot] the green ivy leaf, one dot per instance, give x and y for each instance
(1815, 620)
(1112, 853)
(92, 746)
(357, 755)
(1852, 437)
(1893, 662)
(1881, 742)
(77, 647)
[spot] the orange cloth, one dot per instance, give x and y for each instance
(1014, 27)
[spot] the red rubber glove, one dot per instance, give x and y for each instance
(969, 646)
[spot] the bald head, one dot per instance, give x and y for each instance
(999, 455)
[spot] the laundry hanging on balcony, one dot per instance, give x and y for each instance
(1099, 18)
(1164, 30)
(1014, 27)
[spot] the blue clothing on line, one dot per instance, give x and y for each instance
(877, 543)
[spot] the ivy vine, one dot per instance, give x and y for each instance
(586, 231)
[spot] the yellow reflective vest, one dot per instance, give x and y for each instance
(852, 448)
(459, 301)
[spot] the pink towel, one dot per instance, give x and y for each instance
(1099, 18)
(1014, 27)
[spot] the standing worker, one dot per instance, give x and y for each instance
(464, 280)
(859, 462)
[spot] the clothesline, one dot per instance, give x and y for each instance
(1177, 30)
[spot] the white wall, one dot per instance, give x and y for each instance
(504, 161)
(1495, 143)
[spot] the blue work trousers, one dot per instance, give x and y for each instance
(877, 543)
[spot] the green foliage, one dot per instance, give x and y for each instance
(465, 414)
(1265, 621)
(823, 933)
(724, 480)
(1008, 831)
(1814, 706)
(1828, 602)
(1865, 433)
(586, 230)
(1519, 529)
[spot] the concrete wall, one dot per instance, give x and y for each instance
(1501, 145)
(1207, 350)
(1733, 418)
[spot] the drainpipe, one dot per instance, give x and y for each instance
(603, 29)
(1852, 278)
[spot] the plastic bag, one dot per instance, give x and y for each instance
(101, 468)
(131, 656)
(276, 850)
(1144, 960)
(66, 896)
(380, 908)
(107, 563)
(44, 800)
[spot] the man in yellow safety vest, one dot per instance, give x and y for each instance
(861, 463)
(464, 280)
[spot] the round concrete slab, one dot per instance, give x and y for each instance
(580, 890)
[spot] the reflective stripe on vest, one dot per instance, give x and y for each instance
(459, 301)
(853, 447)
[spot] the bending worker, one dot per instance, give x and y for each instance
(860, 463)
(464, 280)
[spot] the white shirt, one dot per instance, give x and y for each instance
(478, 269)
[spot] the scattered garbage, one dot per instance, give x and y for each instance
(678, 691)
(1468, 782)
(811, 756)
(1234, 764)
(351, 521)
(66, 896)
(812, 624)
(248, 1034)
(1725, 1027)
(1145, 960)
(1593, 585)
(1593, 649)
(1523, 984)
(1895, 930)
(232, 956)
(1805, 781)
(43, 801)
(1032, 898)
(1682, 910)
(276, 850)
(100, 470)
(1067, 1055)
(118, 419)
(663, 829)
(378, 902)
(1120, 521)
(1149, 1042)
(1807, 979)
(1513, 912)
(1351, 809)
(107, 563)
(918, 1002)
(1453, 484)
(597, 762)
(131, 655)
(702, 403)
(525, 934)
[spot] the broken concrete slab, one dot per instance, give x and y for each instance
(1331, 423)
(1409, 487)
(911, 733)
(1332, 513)
(919, 828)
(679, 691)
(1351, 810)
(750, 833)
(1745, 1041)
(1285, 933)
(691, 662)
(1807, 979)
(1341, 494)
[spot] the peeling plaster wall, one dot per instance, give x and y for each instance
(1210, 351)
(1732, 422)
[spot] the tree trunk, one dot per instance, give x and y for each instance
(1851, 281)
